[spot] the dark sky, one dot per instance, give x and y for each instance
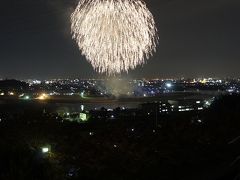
(197, 38)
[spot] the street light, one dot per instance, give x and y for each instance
(168, 85)
(26, 97)
(42, 96)
(82, 94)
(45, 150)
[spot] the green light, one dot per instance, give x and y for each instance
(83, 116)
(82, 94)
(45, 150)
(26, 97)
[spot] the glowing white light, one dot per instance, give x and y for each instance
(114, 35)
(11, 93)
(207, 103)
(169, 85)
(27, 97)
(82, 94)
(91, 133)
(45, 150)
(82, 107)
(83, 116)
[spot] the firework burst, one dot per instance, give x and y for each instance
(114, 35)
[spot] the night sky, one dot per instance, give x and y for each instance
(197, 38)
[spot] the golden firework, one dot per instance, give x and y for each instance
(114, 35)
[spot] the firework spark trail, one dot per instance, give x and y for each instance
(114, 35)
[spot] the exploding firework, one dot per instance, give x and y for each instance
(114, 35)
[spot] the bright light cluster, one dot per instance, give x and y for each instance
(114, 35)
(42, 96)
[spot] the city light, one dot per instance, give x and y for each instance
(199, 121)
(42, 96)
(82, 94)
(45, 150)
(82, 107)
(91, 133)
(83, 116)
(207, 103)
(203, 81)
(11, 93)
(26, 97)
(168, 85)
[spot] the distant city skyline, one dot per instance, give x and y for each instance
(122, 78)
(197, 39)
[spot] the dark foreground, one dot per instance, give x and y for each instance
(184, 146)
